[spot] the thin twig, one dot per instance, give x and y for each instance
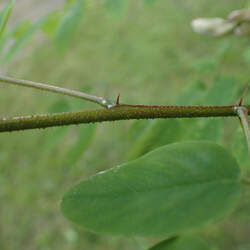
(119, 112)
(243, 115)
(244, 94)
(25, 83)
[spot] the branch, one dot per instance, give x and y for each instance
(118, 112)
(46, 87)
(243, 115)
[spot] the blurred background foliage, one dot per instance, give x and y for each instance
(144, 50)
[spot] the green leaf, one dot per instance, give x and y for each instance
(21, 29)
(15, 33)
(157, 133)
(4, 16)
(116, 8)
(182, 243)
(85, 136)
(26, 36)
(68, 26)
(51, 24)
(174, 188)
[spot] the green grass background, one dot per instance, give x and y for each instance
(149, 55)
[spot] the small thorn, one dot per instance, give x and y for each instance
(118, 99)
(243, 95)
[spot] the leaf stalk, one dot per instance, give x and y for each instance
(51, 88)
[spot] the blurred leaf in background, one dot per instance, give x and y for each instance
(59, 24)
(4, 16)
(148, 3)
(23, 37)
(192, 94)
(222, 92)
(18, 31)
(84, 136)
(68, 25)
(161, 132)
(150, 134)
(156, 134)
(116, 8)
(205, 65)
(51, 24)
(14, 33)
(50, 140)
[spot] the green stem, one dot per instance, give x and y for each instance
(119, 112)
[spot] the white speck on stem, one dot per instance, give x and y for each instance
(102, 172)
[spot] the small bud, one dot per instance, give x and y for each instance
(212, 26)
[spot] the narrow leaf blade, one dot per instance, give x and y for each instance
(52, 23)
(16, 32)
(22, 40)
(148, 3)
(84, 138)
(222, 92)
(68, 26)
(116, 7)
(158, 133)
(4, 17)
(52, 137)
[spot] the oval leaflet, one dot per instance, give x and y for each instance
(169, 190)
